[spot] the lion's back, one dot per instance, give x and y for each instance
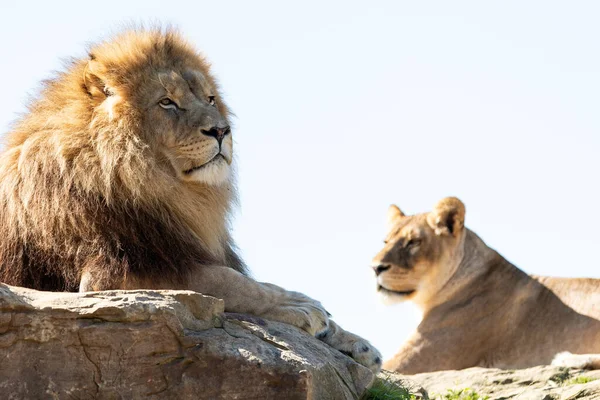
(581, 294)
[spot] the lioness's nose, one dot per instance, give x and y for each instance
(380, 268)
(217, 132)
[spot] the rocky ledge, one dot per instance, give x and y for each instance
(538, 383)
(159, 345)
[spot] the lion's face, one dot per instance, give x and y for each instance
(193, 134)
(419, 251)
(165, 88)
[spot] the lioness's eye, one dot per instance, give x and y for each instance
(211, 100)
(167, 103)
(413, 243)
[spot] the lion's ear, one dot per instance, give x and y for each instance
(394, 214)
(447, 217)
(94, 81)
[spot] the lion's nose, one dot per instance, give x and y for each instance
(217, 132)
(380, 268)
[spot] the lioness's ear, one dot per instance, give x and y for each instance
(447, 217)
(394, 214)
(94, 81)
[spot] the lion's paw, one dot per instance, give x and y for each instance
(365, 354)
(569, 360)
(301, 311)
(353, 346)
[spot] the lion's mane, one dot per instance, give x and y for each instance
(81, 191)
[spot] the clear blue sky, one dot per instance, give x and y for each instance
(345, 107)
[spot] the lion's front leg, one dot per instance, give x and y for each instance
(352, 345)
(245, 295)
(240, 293)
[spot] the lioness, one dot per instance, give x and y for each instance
(478, 309)
(119, 176)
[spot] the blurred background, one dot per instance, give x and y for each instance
(346, 107)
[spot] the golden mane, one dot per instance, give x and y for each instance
(81, 188)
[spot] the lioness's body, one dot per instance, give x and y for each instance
(479, 309)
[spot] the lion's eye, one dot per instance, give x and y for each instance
(167, 103)
(413, 243)
(211, 100)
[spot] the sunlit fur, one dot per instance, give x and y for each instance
(478, 309)
(92, 177)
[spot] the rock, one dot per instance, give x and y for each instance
(543, 382)
(159, 345)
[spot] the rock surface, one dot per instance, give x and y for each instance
(538, 383)
(159, 345)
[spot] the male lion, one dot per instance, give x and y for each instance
(478, 309)
(119, 177)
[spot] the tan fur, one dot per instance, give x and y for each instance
(96, 142)
(120, 177)
(478, 309)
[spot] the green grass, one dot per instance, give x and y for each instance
(579, 380)
(563, 378)
(384, 389)
(463, 394)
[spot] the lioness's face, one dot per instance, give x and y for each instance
(416, 251)
(194, 135)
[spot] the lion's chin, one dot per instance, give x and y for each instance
(392, 296)
(215, 172)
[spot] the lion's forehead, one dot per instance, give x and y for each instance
(132, 56)
(410, 227)
(196, 77)
(181, 83)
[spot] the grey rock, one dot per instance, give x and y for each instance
(159, 345)
(543, 382)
